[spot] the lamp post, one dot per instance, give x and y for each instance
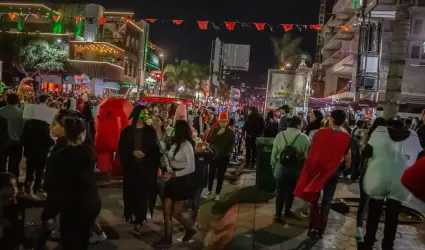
(161, 55)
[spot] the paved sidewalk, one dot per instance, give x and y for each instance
(242, 226)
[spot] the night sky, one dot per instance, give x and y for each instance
(188, 42)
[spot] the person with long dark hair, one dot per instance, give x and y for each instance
(79, 202)
(139, 155)
(180, 184)
(315, 123)
(271, 125)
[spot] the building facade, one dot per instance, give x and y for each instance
(109, 51)
(355, 62)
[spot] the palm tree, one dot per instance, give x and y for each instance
(224, 91)
(288, 52)
(397, 58)
(180, 74)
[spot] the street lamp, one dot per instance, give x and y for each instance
(161, 55)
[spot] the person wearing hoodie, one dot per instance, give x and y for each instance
(287, 171)
(222, 140)
(390, 151)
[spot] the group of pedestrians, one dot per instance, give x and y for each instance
(60, 164)
(308, 160)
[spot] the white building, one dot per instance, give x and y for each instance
(341, 58)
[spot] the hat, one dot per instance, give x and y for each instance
(223, 116)
(181, 113)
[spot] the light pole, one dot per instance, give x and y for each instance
(161, 55)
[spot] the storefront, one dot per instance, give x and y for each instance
(51, 87)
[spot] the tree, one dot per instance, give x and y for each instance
(182, 73)
(39, 57)
(397, 58)
(288, 51)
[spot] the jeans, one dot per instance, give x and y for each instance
(363, 202)
(285, 186)
(251, 150)
(35, 170)
(14, 154)
(319, 215)
(393, 209)
(196, 203)
(219, 167)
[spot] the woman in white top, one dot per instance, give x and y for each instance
(179, 186)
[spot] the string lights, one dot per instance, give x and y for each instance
(100, 48)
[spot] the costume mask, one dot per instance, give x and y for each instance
(144, 115)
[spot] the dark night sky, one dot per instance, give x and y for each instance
(188, 42)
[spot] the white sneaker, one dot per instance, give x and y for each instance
(217, 197)
(97, 238)
(207, 195)
(56, 234)
(359, 234)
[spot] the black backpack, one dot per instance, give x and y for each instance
(289, 155)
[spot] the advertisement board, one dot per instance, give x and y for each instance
(413, 78)
(236, 56)
(285, 87)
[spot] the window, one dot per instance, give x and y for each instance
(415, 52)
(417, 26)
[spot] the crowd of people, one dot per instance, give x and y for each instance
(174, 152)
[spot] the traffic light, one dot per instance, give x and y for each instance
(158, 76)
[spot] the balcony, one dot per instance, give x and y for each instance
(96, 59)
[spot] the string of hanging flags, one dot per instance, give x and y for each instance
(260, 26)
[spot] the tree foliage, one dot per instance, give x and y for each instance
(186, 73)
(288, 51)
(40, 58)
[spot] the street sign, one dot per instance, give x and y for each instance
(357, 4)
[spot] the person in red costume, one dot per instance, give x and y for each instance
(111, 119)
(329, 151)
(414, 179)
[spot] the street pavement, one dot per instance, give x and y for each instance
(240, 226)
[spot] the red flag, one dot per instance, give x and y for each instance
(151, 20)
(178, 22)
(127, 20)
(203, 25)
(230, 25)
(287, 27)
(78, 19)
(12, 15)
(260, 26)
(101, 20)
(316, 27)
(36, 16)
(345, 27)
(56, 18)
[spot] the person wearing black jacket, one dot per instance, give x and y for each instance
(139, 155)
(37, 142)
(79, 202)
(4, 136)
(253, 128)
(271, 125)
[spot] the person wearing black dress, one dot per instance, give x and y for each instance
(139, 156)
(79, 203)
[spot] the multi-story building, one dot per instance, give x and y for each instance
(108, 50)
(356, 72)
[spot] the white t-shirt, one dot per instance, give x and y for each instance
(184, 160)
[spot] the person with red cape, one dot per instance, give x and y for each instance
(414, 178)
(329, 149)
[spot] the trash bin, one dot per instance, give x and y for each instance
(264, 174)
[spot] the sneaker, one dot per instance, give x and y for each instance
(165, 241)
(56, 234)
(207, 195)
(97, 238)
(189, 235)
(304, 214)
(359, 234)
(217, 197)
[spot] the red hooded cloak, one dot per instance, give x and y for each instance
(414, 179)
(325, 156)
